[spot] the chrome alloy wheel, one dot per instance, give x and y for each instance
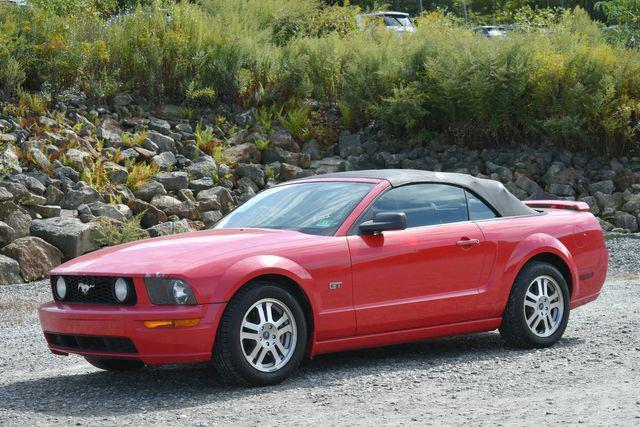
(543, 306)
(268, 335)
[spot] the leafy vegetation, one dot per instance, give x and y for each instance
(566, 84)
(116, 233)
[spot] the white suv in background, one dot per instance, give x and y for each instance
(395, 21)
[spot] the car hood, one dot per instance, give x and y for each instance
(176, 254)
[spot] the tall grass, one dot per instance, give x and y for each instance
(567, 86)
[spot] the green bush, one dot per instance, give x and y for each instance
(556, 79)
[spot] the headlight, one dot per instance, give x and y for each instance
(169, 291)
(61, 288)
(121, 290)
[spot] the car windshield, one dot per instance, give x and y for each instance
(397, 21)
(314, 207)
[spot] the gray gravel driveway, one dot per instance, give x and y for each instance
(590, 377)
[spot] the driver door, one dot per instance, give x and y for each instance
(427, 274)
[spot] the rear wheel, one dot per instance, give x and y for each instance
(262, 336)
(117, 365)
(538, 308)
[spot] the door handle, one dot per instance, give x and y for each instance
(468, 243)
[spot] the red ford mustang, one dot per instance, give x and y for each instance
(332, 263)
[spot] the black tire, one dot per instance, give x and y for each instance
(116, 365)
(228, 356)
(514, 329)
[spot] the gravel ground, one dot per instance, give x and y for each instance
(590, 376)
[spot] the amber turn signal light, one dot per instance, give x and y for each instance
(180, 323)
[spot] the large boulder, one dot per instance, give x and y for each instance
(78, 159)
(203, 167)
(117, 174)
(163, 142)
(9, 271)
(7, 234)
(5, 195)
(243, 153)
(252, 171)
(165, 161)
(173, 181)
(283, 139)
(626, 220)
(118, 212)
(70, 235)
(165, 202)
(217, 198)
(168, 228)
(15, 217)
(35, 257)
(80, 194)
(150, 190)
(149, 214)
(606, 187)
(111, 132)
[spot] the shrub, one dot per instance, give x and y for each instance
(116, 233)
(139, 174)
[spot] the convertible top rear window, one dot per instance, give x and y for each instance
(314, 207)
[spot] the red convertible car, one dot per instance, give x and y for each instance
(332, 263)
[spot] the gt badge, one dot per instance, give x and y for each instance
(335, 285)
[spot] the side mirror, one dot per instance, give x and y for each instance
(385, 221)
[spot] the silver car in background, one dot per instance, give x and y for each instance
(394, 21)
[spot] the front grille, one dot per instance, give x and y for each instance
(89, 343)
(99, 290)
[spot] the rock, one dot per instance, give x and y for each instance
(17, 189)
(173, 181)
(593, 204)
(217, 198)
(10, 161)
(605, 225)
(185, 209)
(330, 165)
(560, 189)
(111, 132)
(32, 200)
(9, 271)
(288, 171)
(625, 220)
(252, 171)
(70, 235)
(168, 228)
(7, 234)
(35, 257)
(150, 215)
(349, 145)
(210, 218)
(165, 202)
(46, 211)
(528, 184)
(159, 125)
(243, 153)
(80, 194)
(163, 142)
(283, 139)
(117, 174)
(516, 191)
(53, 195)
(184, 128)
(78, 159)
(65, 173)
(203, 167)
(606, 187)
(201, 184)
(122, 100)
(246, 118)
(150, 190)
(5, 195)
(165, 161)
(39, 158)
(604, 201)
(47, 122)
(118, 212)
(313, 149)
(15, 217)
(130, 154)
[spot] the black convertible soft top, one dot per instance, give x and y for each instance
(493, 192)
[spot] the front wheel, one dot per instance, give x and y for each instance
(538, 308)
(262, 336)
(115, 365)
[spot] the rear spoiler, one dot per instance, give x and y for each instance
(558, 204)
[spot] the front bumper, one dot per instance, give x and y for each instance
(154, 346)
